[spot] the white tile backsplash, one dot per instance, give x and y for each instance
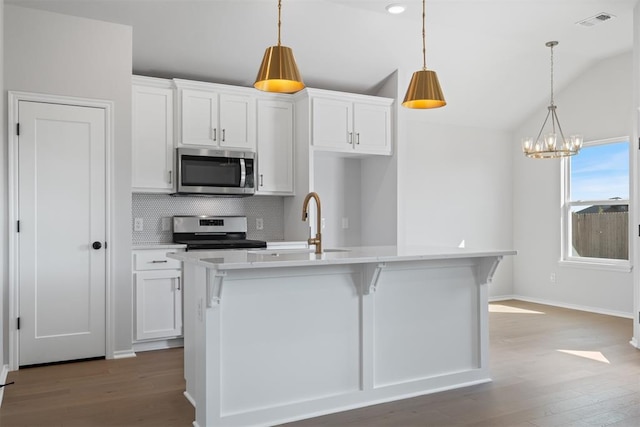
(152, 208)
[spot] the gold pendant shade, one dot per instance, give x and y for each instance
(424, 91)
(278, 71)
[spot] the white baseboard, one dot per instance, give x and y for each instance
(124, 354)
(3, 379)
(596, 310)
(189, 398)
(158, 345)
(634, 342)
(502, 298)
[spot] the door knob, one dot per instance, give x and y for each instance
(96, 245)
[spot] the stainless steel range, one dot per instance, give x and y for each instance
(213, 232)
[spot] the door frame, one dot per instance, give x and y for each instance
(14, 292)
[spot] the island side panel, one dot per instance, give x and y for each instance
(289, 336)
(426, 324)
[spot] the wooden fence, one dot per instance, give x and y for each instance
(601, 235)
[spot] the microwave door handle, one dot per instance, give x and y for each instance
(243, 173)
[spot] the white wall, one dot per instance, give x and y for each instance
(64, 55)
(4, 262)
(454, 185)
(636, 170)
(598, 104)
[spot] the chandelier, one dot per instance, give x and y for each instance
(549, 146)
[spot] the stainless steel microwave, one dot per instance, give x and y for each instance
(202, 171)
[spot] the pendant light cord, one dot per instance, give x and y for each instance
(424, 38)
(279, 19)
(551, 74)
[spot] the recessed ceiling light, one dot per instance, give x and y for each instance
(395, 8)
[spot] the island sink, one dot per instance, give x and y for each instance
(278, 252)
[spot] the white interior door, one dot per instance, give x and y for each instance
(62, 213)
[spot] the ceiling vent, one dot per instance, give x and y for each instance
(597, 19)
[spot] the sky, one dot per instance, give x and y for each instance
(600, 172)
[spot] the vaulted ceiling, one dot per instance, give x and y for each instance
(490, 55)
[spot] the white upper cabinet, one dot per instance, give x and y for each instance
(216, 116)
(152, 136)
(275, 147)
(350, 123)
(332, 123)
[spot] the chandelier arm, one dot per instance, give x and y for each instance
(559, 127)
(543, 125)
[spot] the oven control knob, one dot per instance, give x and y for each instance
(96, 245)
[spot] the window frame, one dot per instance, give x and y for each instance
(566, 257)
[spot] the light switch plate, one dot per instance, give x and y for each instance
(138, 224)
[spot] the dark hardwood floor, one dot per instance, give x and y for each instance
(550, 367)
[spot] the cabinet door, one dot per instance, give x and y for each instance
(275, 147)
(237, 122)
(152, 144)
(158, 304)
(332, 124)
(372, 126)
(199, 118)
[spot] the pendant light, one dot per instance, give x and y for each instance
(549, 147)
(279, 72)
(424, 89)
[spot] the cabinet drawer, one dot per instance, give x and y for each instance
(155, 260)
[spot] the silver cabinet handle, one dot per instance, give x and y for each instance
(350, 138)
(215, 134)
(261, 181)
(223, 134)
(159, 262)
(178, 283)
(170, 177)
(358, 138)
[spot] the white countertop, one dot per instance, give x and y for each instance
(267, 258)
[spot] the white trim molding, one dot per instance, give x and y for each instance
(3, 379)
(542, 301)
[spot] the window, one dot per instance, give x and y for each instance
(596, 204)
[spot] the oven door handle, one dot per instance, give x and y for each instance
(243, 173)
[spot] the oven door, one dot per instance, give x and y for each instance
(203, 171)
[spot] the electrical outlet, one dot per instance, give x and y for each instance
(166, 224)
(552, 278)
(259, 224)
(322, 223)
(138, 224)
(345, 223)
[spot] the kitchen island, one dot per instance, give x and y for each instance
(278, 335)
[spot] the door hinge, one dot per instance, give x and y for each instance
(18, 323)
(18, 129)
(18, 227)
(105, 245)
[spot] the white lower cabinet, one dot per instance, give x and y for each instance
(158, 295)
